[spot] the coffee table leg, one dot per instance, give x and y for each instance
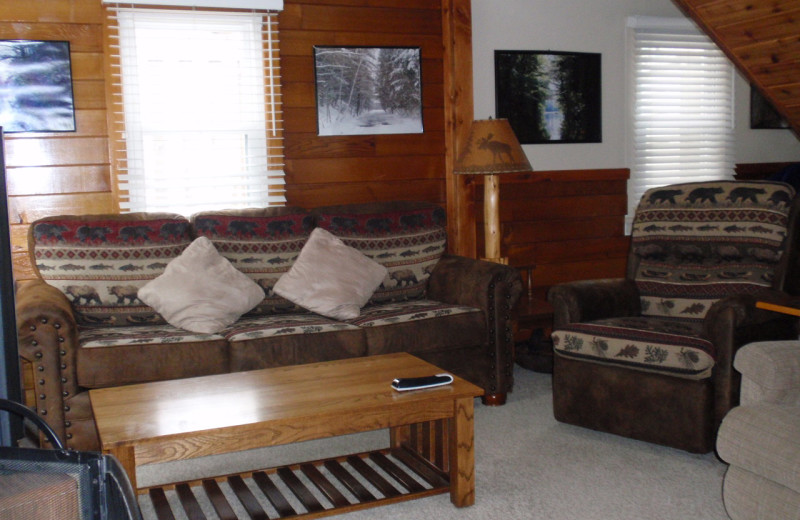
(462, 453)
(126, 456)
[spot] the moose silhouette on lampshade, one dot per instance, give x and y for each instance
(492, 149)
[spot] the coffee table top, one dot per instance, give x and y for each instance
(286, 404)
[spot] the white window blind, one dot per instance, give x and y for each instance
(683, 109)
(196, 109)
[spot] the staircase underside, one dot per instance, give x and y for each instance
(762, 38)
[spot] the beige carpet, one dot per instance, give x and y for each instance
(528, 467)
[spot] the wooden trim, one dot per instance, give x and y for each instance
(457, 40)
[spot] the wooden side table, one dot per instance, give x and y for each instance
(534, 350)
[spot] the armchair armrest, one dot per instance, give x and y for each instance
(589, 300)
(48, 339)
(493, 288)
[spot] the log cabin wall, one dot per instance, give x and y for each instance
(361, 168)
(560, 226)
(68, 172)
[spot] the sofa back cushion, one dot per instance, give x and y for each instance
(408, 238)
(262, 243)
(696, 243)
(101, 261)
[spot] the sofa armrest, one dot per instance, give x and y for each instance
(770, 372)
(48, 339)
(589, 300)
(493, 288)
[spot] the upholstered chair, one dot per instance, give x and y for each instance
(760, 439)
(649, 356)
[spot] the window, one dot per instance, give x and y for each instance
(197, 120)
(683, 107)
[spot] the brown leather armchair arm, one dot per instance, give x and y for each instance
(732, 323)
(495, 289)
(48, 339)
(589, 300)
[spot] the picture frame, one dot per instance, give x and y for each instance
(763, 115)
(36, 86)
(368, 90)
(549, 96)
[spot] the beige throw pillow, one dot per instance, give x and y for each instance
(330, 278)
(200, 291)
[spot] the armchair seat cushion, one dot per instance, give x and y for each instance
(640, 342)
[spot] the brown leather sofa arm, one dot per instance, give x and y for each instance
(48, 340)
(732, 323)
(495, 289)
(589, 300)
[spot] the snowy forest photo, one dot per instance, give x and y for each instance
(549, 97)
(368, 90)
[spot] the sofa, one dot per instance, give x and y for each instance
(82, 324)
(760, 439)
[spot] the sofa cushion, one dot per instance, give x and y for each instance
(151, 353)
(420, 326)
(330, 278)
(698, 243)
(201, 291)
(262, 243)
(291, 339)
(408, 238)
(643, 343)
(101, 261)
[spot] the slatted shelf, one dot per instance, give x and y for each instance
(308, 490)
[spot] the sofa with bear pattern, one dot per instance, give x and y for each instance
(83, 325)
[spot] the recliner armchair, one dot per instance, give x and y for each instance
(650, 356)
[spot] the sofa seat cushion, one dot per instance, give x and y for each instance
(149, 352)
(408, 238)
(420, 326)
(642, 343)
(101, 261)
(763, 439)
(291, 339)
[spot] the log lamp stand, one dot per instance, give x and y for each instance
(492, 149)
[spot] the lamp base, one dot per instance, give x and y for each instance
(498, 260)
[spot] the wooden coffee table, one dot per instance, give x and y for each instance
(430, 447)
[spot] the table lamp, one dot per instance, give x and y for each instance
(492, 149)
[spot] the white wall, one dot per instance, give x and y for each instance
(593, 26)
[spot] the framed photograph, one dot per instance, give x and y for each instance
(36, 86)
(762, 114)
(549, 96)
(368, 90)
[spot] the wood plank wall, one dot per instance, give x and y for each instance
(66, 172)
(339, 170)
(560, 226)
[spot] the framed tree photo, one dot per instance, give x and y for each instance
(549, 96)
(368, 90)
(36, 86)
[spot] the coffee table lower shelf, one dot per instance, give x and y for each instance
(338, 486)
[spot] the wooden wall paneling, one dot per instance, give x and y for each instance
(564, 225)
(323, 170)
(458, 116)
(59, 172)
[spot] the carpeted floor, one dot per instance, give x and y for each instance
(528, 466)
